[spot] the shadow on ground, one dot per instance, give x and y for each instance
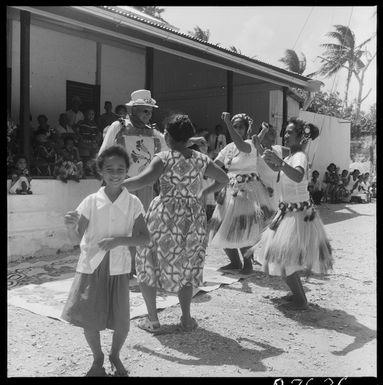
(342, 322)
(209, 348)
(329, 213)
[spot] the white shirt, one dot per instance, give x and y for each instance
(238, 162)
(107, 219)
(291, 191)
(74, 117)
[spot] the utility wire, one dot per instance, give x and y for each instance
(300, 33)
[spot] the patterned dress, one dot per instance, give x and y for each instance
(176, 221)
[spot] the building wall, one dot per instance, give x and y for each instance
(122, 72)
(183, 85)
(252, 97)
(56, 57)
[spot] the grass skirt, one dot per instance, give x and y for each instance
(296, 245)
(240, 219)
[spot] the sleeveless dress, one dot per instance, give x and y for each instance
(247, 205)
(176, 220)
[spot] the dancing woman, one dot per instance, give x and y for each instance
(296, 239)
(245, 206)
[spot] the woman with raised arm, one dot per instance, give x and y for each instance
(245, 206)
(296, 239)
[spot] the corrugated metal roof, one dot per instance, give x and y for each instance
(166, 27)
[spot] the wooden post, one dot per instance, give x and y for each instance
(25, 25)
(149, 68)
(98, 79)
(229, 91)
(284, 114)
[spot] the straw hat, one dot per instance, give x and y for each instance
(141, 98)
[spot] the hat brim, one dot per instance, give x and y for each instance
(132, 104)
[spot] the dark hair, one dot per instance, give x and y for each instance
(180, 127)
(303, 129)
(120, 106)
(316, 172)
(107, 102)
(329, 166)
(42, 116)
(242, 117)
(115, 150)
(18, 157)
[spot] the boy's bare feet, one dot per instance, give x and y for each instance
(97, 368)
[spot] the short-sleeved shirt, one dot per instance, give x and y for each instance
(74, 117)
(107, 219)
(291, 191)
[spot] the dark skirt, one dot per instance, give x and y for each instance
(99, 300)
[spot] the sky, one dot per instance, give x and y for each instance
(266, 32)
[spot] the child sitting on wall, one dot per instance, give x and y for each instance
(21, 180)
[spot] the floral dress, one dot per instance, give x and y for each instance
(176, 220)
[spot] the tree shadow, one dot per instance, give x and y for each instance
(330, 213)
(209, 348)
(342, 322)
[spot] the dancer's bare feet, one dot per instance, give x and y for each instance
(117, 366)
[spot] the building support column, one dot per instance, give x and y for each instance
(229, 91)
(284, 114)
(25, 36)
(149, 69)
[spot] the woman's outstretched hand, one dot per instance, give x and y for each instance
(226, 117)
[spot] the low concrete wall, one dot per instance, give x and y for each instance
(35, 222)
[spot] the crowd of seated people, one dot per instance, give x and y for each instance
(344, 187)
(64, 151)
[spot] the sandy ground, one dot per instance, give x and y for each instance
(241, 330)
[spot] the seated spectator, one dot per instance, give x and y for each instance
(107, 118)
(63, 129)
(315, 188)
(217, 141)
(358, 193)
(74, 114)
(373, 189)
(330, 180)
(121, 112)
(44, 154)
(343, 192)
(43, 125)
(89, 136)
(70, 166)
(12, 145)
(20, 178)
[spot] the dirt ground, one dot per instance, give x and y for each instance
(241, 330)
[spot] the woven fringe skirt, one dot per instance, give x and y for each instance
(297, 244)
(239, 221)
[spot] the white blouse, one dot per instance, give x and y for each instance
(291, 191)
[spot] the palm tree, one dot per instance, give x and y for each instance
(151, 10)
(199, 33)
(293, 63)
(235, 49)
(343, 54)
